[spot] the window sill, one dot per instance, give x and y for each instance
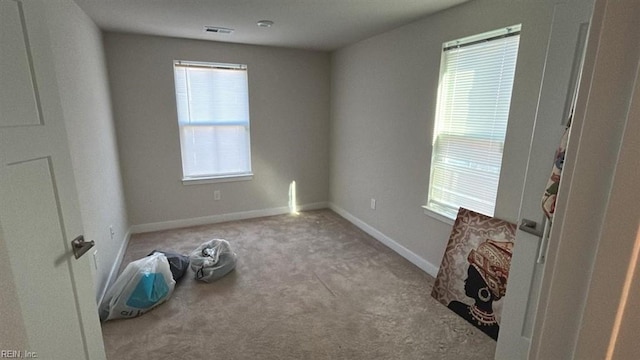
(437, 216)
(217, 179)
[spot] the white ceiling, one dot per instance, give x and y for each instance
(307, 24)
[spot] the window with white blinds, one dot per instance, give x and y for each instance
(213, 116)
(476, 79)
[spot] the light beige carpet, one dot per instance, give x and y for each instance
(311, 286)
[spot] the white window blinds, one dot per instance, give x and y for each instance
(471, 122)
(213, 116)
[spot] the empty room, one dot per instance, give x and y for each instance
(319, 179)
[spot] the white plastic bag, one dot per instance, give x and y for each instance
(143, 285)
(212, 260)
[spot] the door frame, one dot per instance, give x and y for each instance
(587, 266)
(564, 52)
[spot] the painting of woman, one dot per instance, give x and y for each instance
(472, 279)
(486, 282)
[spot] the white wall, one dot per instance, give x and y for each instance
(383, 99)
(86, 104)
(289, 102)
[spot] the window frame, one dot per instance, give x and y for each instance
(218, 177)
(432, 208)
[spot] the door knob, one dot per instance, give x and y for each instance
(80, 246)
(531, 227)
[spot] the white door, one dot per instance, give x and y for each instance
(562, 65)
(48, 302)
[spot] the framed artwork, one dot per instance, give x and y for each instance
(472, 279)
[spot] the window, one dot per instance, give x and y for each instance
(213, 117)
(476, 78)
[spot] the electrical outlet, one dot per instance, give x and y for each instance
(95, 259)
(111, 232)
(373, 203)
(216, 195)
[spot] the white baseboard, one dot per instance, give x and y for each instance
(418, 261)
(314, 206)
(116, 266)
(213, 219)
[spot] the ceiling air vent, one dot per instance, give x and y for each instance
(217, 30)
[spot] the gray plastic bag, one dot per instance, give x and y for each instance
(212, 260)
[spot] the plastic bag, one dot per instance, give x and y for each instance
(178, 263)
(212, 260)
(143, 285)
